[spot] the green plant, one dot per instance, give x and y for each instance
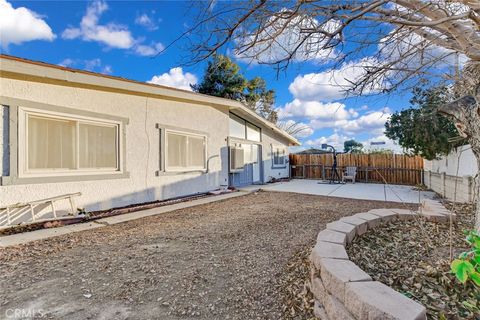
(223, 78)
(420, 129)
(467, 266)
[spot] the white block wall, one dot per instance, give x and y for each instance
(453, 176)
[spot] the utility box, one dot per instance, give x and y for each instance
(237, 159)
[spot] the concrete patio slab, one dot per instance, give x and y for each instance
(365, 191)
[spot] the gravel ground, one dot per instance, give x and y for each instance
(242, 258)
(414, 258)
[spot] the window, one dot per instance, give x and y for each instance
(278, 156)
(237, 127)
(253, 132)
(98, 146)
(242, 129)
(64, 144)
(185, 152)
(51, 143)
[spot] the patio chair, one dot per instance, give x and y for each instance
(350, 173)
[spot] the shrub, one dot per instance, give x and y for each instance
(467, 266)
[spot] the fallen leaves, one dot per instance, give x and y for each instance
(413, 257)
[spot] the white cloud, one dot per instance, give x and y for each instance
(305, 132)
(389, 144)
(107, 69)
(280, 38)
(90, 65)
(371, 122)
(331, 84)
(113, 35)
(315, 110)
(18, 25)
(94, 65)
(336, 140)
(327, 124)
(66, 62)
(149, 50)
(175, 78)
(146, 21)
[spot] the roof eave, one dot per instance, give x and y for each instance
(41, 70)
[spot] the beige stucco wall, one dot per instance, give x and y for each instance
(269, 139)
(142, 146)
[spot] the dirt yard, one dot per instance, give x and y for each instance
(225, 260)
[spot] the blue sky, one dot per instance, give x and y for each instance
(121, 38)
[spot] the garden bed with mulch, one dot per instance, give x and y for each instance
(95, 215)
(413, 257)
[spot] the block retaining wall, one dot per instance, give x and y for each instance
(344, 291)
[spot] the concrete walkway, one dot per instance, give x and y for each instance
(365, 191)
(25, 237)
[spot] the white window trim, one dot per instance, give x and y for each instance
(24, 172)
(279, 165)
(185, 169)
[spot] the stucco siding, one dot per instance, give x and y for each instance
(4, 140)
(268, 140)
(142, 146)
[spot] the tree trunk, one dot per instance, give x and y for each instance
(465, 112)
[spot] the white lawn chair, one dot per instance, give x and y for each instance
(350, 173)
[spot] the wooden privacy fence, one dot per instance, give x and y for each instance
(376, 168)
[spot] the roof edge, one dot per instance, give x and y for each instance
(41, 69)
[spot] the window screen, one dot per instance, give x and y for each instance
(54, 143)
(177, 150)
(237, 127)
(196, 151)
(185, 151)
(278, 156)
(51, 143)
(98, 146)
(243, 129)
(253, 132)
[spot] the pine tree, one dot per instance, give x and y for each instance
(223, 79)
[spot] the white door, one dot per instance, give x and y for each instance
(256, 163)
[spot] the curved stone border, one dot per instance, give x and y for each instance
(344, 291)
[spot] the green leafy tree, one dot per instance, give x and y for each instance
(420, 129)
(223, 79)
(352, 146)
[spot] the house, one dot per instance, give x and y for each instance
(121, 142)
